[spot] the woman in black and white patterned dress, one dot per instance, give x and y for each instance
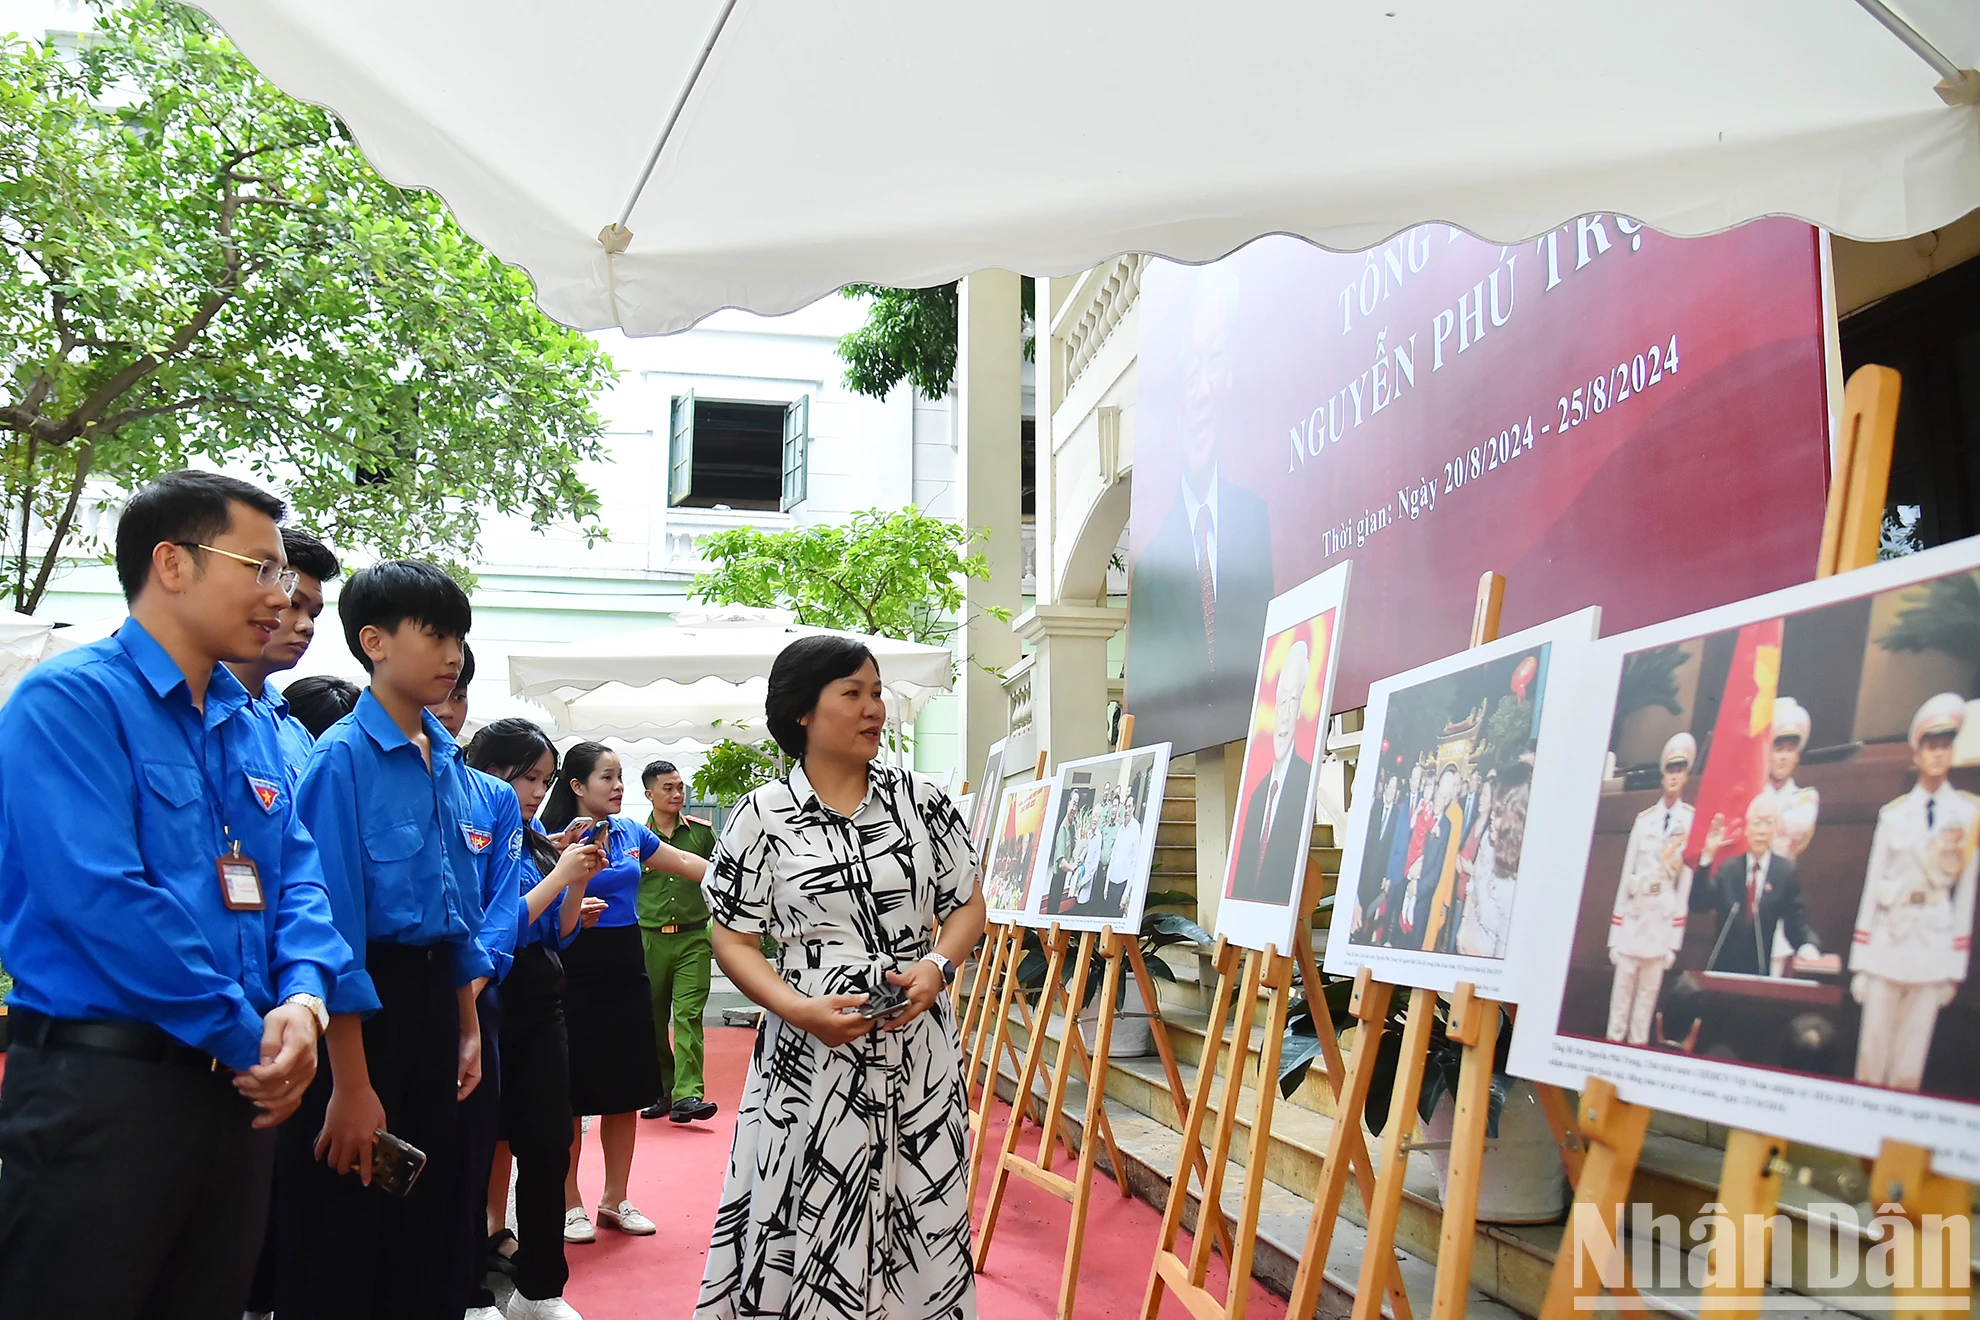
(846, 1197)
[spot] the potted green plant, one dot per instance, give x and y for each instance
(1521, 1180)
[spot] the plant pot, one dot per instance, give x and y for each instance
(1132, 1037)
(1522, 1180)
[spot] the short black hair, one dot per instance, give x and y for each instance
(467, 668)
(800, 673)
(320, 700)
(654, 769)
(309, 556)
(182, 508)
(399, 591)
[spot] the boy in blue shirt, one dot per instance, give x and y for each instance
(313, 564)
(385, 797)
(164, 915)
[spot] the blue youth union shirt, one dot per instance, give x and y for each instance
(114, 790)
(396, 859)
(629, 843)
(291, 736)
(494, 833)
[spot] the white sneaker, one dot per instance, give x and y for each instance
(627, 1219)
(482, 1313)
(550, 1308)
(577, 1226)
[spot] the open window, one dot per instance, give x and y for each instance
(738, 455)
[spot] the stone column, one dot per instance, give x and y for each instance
(1069, 676)
(989, 373)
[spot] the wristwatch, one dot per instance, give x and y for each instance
(317, 1008)
(947, 968)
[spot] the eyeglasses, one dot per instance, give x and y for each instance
(267, 572)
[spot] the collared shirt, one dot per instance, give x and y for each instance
(1192, 506)
(842, 893)
(294, 739)
(116, 796)
(395, 856)
(672, 900)
(493, 828)
(627, 845)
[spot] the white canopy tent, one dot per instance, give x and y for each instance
(702, 681)
(648, 163)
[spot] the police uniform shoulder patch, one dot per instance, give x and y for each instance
(266, 791)
(696, 820)
(477, 838)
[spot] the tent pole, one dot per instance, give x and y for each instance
(673, 116)
(1959, 86)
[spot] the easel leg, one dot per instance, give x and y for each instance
(1099, 1080)
(1749, 1189)
(1370, 1009)
(1169, 1271)
(998, 1041)
(1933, 1283)
(1227, 1114)
(984, 971)
(1034, 1051)
(1347, 1138)
(1278, 970)
(1386, 1209)
(1219, 1224)
(1474, 1023)
(1096, 1100)
(1589, 1257)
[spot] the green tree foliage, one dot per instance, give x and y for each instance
(1507, 732)
(194, 266)
(910, 334)
(1941, 615)
(883, 574)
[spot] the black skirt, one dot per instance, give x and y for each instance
(608, 1011)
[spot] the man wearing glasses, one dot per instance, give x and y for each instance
(165, 918)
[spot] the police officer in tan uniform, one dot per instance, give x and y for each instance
(1647, 927)
(1914, 927)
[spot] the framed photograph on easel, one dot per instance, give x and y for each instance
(1100, 841)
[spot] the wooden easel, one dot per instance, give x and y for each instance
(1749, 1179)
(1116, 950)
(997, 1022)
(1474, 1023)
(1235, 999)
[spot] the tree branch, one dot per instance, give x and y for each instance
(85, 456)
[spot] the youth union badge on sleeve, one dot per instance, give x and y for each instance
(266, 792)
(477, 839)
(515, 845)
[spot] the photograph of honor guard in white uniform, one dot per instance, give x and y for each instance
(1914, 926)
(1652, 897)
(1795, 805)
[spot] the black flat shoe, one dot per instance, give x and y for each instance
(492, 1253)
(693, 1109)
(658, 1109)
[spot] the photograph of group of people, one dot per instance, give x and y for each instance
(1783, 862)
(1102, 827)
(1454, 779)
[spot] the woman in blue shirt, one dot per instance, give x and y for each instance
(608, 1007)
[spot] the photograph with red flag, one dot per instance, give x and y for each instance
(1773, 817)
(1732, 763)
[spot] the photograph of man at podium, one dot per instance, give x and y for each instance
(1840, 952)
(1757, 897)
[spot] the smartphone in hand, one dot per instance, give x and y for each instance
(395, 1164)
(886, 1003)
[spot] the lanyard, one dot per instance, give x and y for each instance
(216, 795)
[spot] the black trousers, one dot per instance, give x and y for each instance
(127, 1188)
(536, 1116)
(480, 1118)
(345, 1251)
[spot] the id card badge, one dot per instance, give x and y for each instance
(240, 881)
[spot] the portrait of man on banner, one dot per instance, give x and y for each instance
(1197, 592)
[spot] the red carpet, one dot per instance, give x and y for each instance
(677, 1180)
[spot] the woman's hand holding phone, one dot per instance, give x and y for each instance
(580, 862)
(834, 1019)
(567, 836)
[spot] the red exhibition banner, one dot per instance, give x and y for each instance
(1606, 415)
